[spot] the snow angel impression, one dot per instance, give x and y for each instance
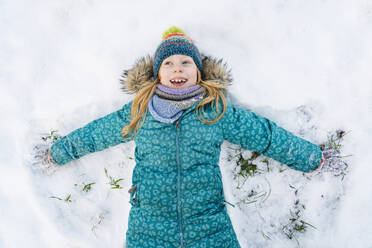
(178, 120)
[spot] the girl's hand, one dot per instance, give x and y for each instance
(42, 159)
(317, 170)
(50, 158)
(331, 162)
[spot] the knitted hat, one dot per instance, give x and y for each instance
(175, 42)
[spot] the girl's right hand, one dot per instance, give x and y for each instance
(42, 159)
(50, 158)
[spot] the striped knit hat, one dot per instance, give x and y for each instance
(175, 42)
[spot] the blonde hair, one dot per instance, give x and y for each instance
(214, 92)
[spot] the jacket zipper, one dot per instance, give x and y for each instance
(179, 210)
(179, 207)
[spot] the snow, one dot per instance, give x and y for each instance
(303, 64)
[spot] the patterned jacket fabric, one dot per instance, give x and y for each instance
(177, 197)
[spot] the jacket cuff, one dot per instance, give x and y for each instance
(59, 154)
(320, 166)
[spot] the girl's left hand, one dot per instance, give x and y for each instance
(331, 162)
(317, 170)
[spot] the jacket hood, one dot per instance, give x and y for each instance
(141, 73)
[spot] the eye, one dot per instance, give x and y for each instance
(186, 62)
(167, 63)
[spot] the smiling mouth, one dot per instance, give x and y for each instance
(178, 82)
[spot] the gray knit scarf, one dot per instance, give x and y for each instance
(168, 104)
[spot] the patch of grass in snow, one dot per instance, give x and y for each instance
(334, 160)
(257, 195)
(67, 198)
(97, 221)
(246, 167)
(113, 182)
(249, 164)
(86, 187)
(296, 224)
(266, 161)
(265, 235)
(334, 140)
(52, 137)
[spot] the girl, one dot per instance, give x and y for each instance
(178, 120)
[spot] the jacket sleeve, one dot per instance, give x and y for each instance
(95, 136)
(256, 133)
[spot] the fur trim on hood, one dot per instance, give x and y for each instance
(141, 73)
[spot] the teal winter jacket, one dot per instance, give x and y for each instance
(177, 197)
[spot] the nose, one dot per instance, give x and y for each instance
(177, 68)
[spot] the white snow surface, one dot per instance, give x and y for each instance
(305, 65)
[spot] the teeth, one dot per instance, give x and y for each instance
(178, 81)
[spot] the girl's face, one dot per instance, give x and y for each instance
(178, 72)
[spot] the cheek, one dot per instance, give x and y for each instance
(162, 75)
(194, 76)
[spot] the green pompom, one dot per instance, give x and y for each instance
(172, 30)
